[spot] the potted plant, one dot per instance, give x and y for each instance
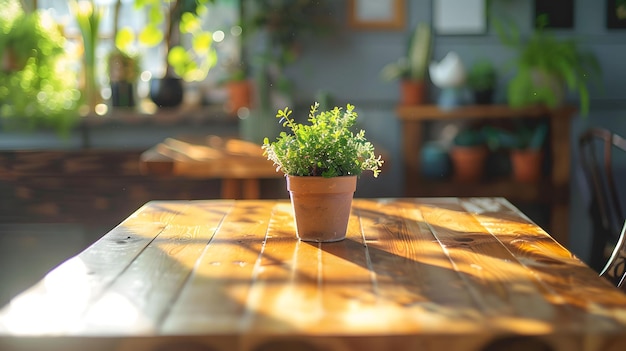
(123, 67)
(238, 87)
(548, 68)
(276, 31)
(168, 20)
(321, 162)
(482, 79)
(412, 68)
(36, 88)
(468, 155)
(527, 153)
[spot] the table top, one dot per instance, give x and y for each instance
(208, 157)
(413, 273)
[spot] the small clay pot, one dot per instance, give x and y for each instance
(321, 206)
(526, 165)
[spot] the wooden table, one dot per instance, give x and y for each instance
(239, 164)
(413, 274)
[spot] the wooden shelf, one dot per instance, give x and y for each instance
(431, 112)
(553, 190)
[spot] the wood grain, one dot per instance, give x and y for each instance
(413, 273)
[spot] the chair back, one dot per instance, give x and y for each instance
(596, 151)
(615, 269)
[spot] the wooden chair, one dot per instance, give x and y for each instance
(596, 150)
(615, 269)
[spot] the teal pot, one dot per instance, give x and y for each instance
(167, 91)
(435, 161)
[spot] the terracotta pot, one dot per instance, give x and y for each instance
(526, 165)
(239, 95)
(468, 163)
(412, 93)
(321, 206)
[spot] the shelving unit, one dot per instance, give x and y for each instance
(552, 191)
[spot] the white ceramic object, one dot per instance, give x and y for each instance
(449, 72)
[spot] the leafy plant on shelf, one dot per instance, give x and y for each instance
(326, 147)
(547, 67)
(523, 137)
(469, 137)
(166, 19)
(414, 65)
(482, 75)
(37, 84)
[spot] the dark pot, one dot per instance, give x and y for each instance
(483, 97)
(122, 94)
(166, 92)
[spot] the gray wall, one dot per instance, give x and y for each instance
(348, 64)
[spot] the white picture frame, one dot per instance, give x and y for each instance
(460, 17)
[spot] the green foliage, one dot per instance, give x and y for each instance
(469, 137)
(547, 66)
(482, 75)
(191, 64)
(326, 147)
(523, 137)
(40, 91)
(414, 65)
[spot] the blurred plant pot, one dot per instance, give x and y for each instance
(434, 161)
(167, 91)
(412, 92)
(321, 206)
(526, 165)
(468, 163)
(122, 94)
(239, 95)
(483, 97)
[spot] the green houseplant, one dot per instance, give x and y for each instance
(547, 67)
(482, 78)
(276, 33)
(468, 155)
(412, 68)
(123, 66)
(525, 143)
(37, 87)
(322, 161)
(167, 21)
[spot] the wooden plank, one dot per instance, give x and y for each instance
(507, 293)
(413, 276)
(285, 295)
(214, 299)
(138, 299)
(56, 304)
(552, 266)
(431, 112)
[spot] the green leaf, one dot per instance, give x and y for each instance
(189, 23)
(202, 43)
(124, 39)
(151, 36)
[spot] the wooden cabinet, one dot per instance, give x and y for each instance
(552, 191)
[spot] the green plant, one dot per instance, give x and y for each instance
(183, 16)
(39, 90)
(522, 137)
(469, 137)
(547, 66)
(482, 75)
(414, 65)
(326, 147)
(122, 64)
